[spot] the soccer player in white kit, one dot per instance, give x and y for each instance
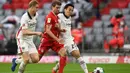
(24, 37)
(71, 47)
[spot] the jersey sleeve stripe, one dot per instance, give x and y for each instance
(19, 30)
(20, 46)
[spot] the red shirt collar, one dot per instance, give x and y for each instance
(53, 13)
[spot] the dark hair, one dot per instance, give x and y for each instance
(119, 15)
(54, 3)
(67, 5)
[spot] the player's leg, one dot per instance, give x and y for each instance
(33, 53)
(62, 53)
(15, 61)
(25, 61)
(30, 53)
(19, 59)
(34, 58)
(56, 68)
(62, 62)
(74, 50)
(82, 63)
(42, 49)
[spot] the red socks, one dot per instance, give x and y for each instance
(62, 64)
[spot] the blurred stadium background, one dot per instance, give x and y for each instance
(90, 29)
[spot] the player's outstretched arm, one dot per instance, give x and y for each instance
(28, 32)
(48, 31)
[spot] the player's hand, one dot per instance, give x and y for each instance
(57, 25)
(61, 41)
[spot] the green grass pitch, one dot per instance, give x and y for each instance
(70, 68)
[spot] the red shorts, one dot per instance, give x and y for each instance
(45, 45)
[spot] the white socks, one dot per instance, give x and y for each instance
(82, 64)
(19, 60)
(22, 67)
(56, 67)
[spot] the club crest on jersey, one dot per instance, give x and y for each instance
(48, 20)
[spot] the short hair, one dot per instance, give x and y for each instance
(54, 3)
(33, 3)
(67, 5)
(119, 15)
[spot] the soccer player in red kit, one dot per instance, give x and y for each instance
(118, 28)
(50, 38)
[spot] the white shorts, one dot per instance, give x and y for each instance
(26, 46)
(71, 47)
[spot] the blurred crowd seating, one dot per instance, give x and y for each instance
(97, 29)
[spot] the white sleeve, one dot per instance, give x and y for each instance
(24, 22)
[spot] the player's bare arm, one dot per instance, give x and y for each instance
(28, 32)
(48, 31)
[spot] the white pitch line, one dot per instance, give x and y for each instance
(44, 71)
(70, 70)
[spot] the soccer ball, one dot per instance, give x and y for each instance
(98, 70)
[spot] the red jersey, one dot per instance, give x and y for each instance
(51, 19)
(119, 31)
(116, 21)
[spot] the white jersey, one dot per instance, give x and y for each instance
(27, 22)
(66, 24)
(25, 42)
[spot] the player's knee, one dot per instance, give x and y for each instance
(62, 52)
(76, 54)
(35, 60)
